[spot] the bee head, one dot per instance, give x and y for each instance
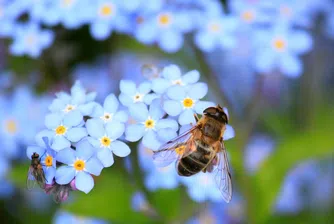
(34, 156)
(216, 113)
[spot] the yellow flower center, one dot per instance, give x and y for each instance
(188, 102)
(139, 19)
(180, 149)
(105, 141)
(79, 165)
(107, 10)
(164, 19)
(11, 126)
(31, 39)
(138, 97)
(149, 123)
(106, 117)
(177, 82)
(67, 3)
(285, 10)
(248, 16)
(61, 130)
(279, 44)
(214, 27)
(48, 160)
(69, 108)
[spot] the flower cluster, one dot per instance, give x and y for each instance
(274, 39)
(82, 136)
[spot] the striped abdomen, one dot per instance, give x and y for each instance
(196, 161)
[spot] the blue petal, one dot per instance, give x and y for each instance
(84, 182)
(106, 157)
(167, 123)
(64, 174)
(98, 111)
(300, 42)
(172, 107)
(111, 104)
(52, 121)
(151, 141)
(125, 99)
(50, 173)
(120, 148)
(191, 77)
(291, 66)
(185, 128)
(171, 72)
(57, 105)
(148, 98)
(156, 111)
(170, 41)
(202, 105)
(40, 135)
(187, 117)
(121, 116)
(166, 134)
(78, 97)
(198, 90)
(100, 31)
(134, 132)
(144, 87)
(73, 118)
(95, 127)
(229, 132)
(76, 134)
(128, 87)
(205, 41)
(88, 108)
(94, 166)
(264, 61)
(59, 143)
(84, 150)
(31, 149)
(139, 112)
(176, 93)
(114, 129)
(91, 96)
(146, 33)
(95, 142)
(66, 156)
(160, 85)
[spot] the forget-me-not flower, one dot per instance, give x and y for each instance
(62, 130)
(62, 217)
(279, 48)
(103, 136)
(150, 126)
(47, 157)
(171, 75)
(80, 164)
(185, 101)
(131, 94)
(30, 39)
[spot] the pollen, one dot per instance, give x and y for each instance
(61, 130)
(69, 108)
(106, 10)
(67, 3)
(105, 141)
(188, 102)
(138, 97)
(279, 44)
(248, 16)
(164, 19)
(79, 165)
(48, 160)
(107, 117)
(149, 123)
(11, 126)
(180, 150)
(177, 82)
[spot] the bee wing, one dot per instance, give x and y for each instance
(31, 181)
(223, 175)
(167, 153)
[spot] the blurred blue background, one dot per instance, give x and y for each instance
(268, 62)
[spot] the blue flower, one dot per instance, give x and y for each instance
(62, 130)
(162, 177)
(62, 217)
(171, 75)
(195, 185)
(79, 100)
(47, 157)
(103, 136)
(185, 101)
(166, 28)
(280, 48)
(150, 126)
(213, 214)
(130, 94)
(139, 202)
(31, 40)
(81, 163)
(108, 112)
(216, 31)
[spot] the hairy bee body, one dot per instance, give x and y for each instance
(206, 137)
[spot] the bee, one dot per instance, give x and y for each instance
(201, 149)
(35, 172)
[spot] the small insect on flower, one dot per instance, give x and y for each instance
(35, 172)
(201, 149)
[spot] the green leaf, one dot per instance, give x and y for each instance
(18, 174)
(265, 185)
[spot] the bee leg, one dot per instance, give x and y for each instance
(204, 170)
(196, 117)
